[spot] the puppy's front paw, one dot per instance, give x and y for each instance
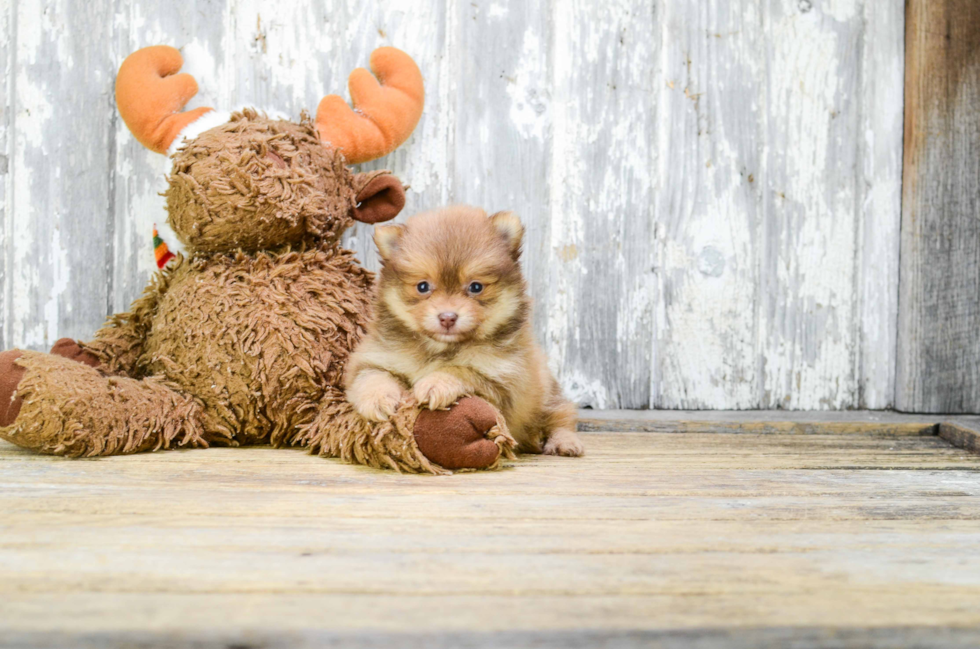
(375, 396)
(439, 391)
(564, 442)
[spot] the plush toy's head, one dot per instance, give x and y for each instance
(248, 181)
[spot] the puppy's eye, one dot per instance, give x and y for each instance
(475, 288)
(423, 287)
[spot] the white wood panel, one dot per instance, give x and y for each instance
(778, 200)
(60, 83)
(710, 209)
(880, 193)
(808, 311)
(711, 189)
(600, 258)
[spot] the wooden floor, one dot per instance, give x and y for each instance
(653, 539)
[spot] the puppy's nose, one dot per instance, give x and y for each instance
(448, 319)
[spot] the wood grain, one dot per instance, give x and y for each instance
(710, 189)
(710, 214)
(879, 191)
(704, 535)
(600, 256)
(962, 433)
(939, 350)
(60, 168)
(759, 422)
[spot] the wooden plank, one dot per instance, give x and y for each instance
(962, 433)
(766, 108)
(711, 137)
(879, 191)
(503, 130)
(59, 171)
(939, 350)
(811, 198)
(701, 535)
(600, 259)
(748, 638)
(758, 421)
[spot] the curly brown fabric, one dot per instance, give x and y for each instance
(257, 183)
(72, 409)
(338, 431)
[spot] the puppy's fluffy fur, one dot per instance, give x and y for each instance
(451, 318)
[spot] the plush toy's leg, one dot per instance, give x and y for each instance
(56, 405)
(470, 435)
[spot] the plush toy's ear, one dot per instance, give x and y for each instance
(386, 108)
(510, 228)
(150, 95)
(386, 237)
(379, 198)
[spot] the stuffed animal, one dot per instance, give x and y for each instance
(244, 340)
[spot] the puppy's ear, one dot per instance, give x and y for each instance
(508, 225)
(386, 237)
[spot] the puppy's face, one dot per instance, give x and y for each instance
(453, 275)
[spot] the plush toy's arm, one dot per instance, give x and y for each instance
(339, 431)
(469, 435)
(119, 344)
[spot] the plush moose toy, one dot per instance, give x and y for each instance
(244, 341)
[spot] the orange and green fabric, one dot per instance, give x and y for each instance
(160, 249)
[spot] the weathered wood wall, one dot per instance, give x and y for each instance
(939, 328)
(711, 189)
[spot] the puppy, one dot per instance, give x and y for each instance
(451, 319)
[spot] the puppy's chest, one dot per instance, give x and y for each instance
(504, 369)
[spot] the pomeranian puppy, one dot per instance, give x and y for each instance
(451, 319)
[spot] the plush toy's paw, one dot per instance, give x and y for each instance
(71, 349)
(438, 391)
(375, 395)
(467, 436)
(10, 376)
(564, 442)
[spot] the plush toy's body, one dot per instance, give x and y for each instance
(245, 340)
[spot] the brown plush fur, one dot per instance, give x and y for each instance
(244, 341)
(256, 183)
(451, 318)
(72, 409)
(288, 321)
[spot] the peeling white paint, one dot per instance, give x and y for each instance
(529, 109)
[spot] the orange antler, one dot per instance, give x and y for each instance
(384, 114)
(149, 95)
